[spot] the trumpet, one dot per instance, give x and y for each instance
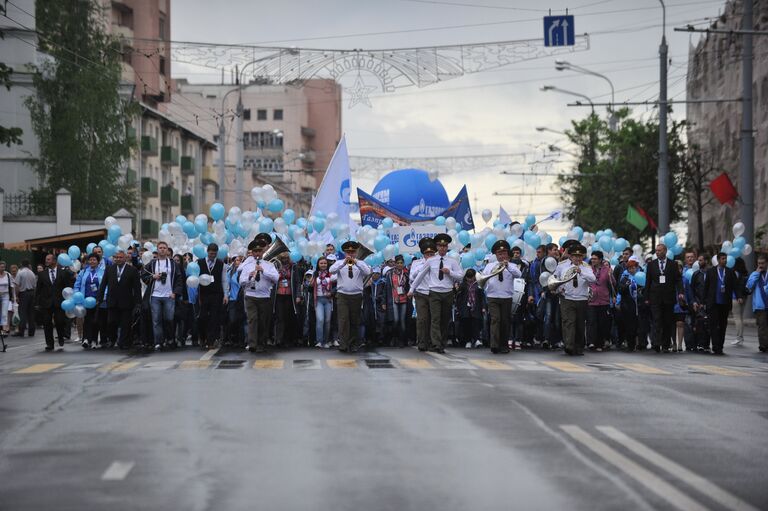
(362, 253)
(482, 280)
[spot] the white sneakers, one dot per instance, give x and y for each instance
(336, 344)
(478, 343)
(738, 342)
(468, 346)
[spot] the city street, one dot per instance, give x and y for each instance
(390, 429)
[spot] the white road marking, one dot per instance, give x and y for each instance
(642, 475)
(117, 471)
(701, 484)
(160, 365)
(529, 365)
(209, 354)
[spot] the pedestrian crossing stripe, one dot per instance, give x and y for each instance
(268, 364)
(195, 364)
(342, 363)
(38, 368)
(493, 365)
(568, 367)
(415, 363)
(643, 368)
(722, 371)
(117, 367)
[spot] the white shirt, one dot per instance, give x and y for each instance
(431, 273)
(581, 291)
(162, 290)
(416, 268)
(346, 285)
(263, 287)
(505, 288)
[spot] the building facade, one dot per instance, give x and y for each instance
(714, 71)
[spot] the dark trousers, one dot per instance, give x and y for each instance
(27, 312)
(95, 325)
(664, 324)
(718, 321)
(285, 316)
(629, 322)
(187, 322)
(258, 311)
(53, 316)
(119, 324)
(500, 310)
(598, 324)
(422, 320)
(470, 329)
(440, 315)
(574, 314)
(349, 312)
(209, 321)
(236, 318)
(761, 318)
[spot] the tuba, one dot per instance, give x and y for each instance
(277, 248)
(482, 280)
(570, 275)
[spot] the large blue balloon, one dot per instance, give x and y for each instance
(189, 229)
(467, 260)
(670, 239)
(295, 256)
(275, 205)
(201, 226)
(217, 211)
(606, 243)
(90, 248)
(193, 269)
(411, 191)
(114, 232)
(380, 242)
(730, 262)
(640, 278)
(490, 240)
(739, 242)
(64, 260)
(74, 252)
(78, 297)
(90, 302)
(464, 237)
(289, 216)
(67, 305)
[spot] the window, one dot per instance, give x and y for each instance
(162, 29)
(262, 140)
(277, 115)
(162, 66)
(247, 114)
(261, 115)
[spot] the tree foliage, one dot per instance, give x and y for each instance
(77, 113)
(10, 135)
(615, 169)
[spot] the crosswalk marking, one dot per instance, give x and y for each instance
(415, 363)
(268, 364)
(117, 471)
(642, 368)
(73, 368)
(38, 368)
(342, 363)
(722, 371)
(158, 366)
(493, 365)
(117, 367)
(568, 367)
(195, 364)
(530, 365)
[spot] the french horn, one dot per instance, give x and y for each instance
(570, 275)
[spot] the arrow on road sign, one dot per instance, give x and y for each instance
(552, 28)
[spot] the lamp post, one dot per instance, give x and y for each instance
(563, 91)
(562, 65)
(544, 128)
(663, 172)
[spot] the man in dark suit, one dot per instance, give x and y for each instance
(665, 285)
(719, 288)
(123, 289)
(51, 281)
(212, 297)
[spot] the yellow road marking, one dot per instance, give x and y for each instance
(568, 367)
(38, 368)
(722, 371)
(342, 363)
(415, 363)
(645, 369)
(268, 364)
(493, 365)
(117, 367)
(195, 364)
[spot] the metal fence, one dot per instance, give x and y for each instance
(27, 204)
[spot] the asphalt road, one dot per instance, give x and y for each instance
(392, 429)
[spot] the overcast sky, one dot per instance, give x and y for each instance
(493, 112)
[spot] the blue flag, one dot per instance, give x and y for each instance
(373, 212)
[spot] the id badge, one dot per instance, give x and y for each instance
(400, 290)
(213, 279)
(662, 279)
(284, 283)
(94, 287)
(722, 289)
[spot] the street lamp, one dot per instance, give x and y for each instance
(562, 65)
(663, 172)
(544, 128)
(563, 91)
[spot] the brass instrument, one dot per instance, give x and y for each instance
(275, 250)
(570, 275)
(482, 280)
(362, 253)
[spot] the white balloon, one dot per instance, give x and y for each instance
(695, 266)
(205, 279)
(450, 223)
(235, 212)
(544, 277)
(193, 281)
(257, 194)
(727, 246)
(149, 246)
(79, 311)
(76, 266)
(67, 293)
(550, 263)
(109, 221)
(738, 229)
(146, 257)
(517, 230)
(746, 250)
(70, 314)
(280, 226)
(500, 233)
(714, 260)
(487, 214)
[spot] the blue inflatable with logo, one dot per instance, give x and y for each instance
(410, 191)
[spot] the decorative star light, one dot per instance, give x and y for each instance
(359, 93)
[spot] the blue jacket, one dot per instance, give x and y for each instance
(81, 283)
(755, 280)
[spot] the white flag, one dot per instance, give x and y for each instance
(504, 217)
(333, 195)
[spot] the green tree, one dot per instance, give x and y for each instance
(11, 135)
(615, 169)
(77, 113)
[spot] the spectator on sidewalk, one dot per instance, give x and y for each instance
(757, 284)
(25, 282)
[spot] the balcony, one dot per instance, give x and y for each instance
(187, 165)
(169, 196)
(169, 156)
(187, 204)
(307, 156)
(149, 228)
(148, 146)
(130, 177)
(123, 32)
(148, 187)
(210, 174)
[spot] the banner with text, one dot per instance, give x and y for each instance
(407, 236)
(373, 212)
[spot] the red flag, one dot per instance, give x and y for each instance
(723, 189)
(647, 217)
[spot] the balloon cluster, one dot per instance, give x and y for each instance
(75, 304)
(737, 247)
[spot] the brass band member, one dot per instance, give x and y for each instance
(573, 298)
(257, 277)
(420, 293)
(351, 274)
(499, 290)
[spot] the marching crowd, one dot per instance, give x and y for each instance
(504, 303)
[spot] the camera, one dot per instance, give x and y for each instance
(163, 277)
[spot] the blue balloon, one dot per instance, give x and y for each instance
(670, 255)
(620, 244)
(199, 251)
(189, 229)
(302, 222)
(599, 234)
(193, 269)
(579, 232)
(295, 256)
(640, 278)
(319, 224)
(739, 242)
(409, 191)
(388, 223)
(180, 219)
(464, 237)
(67, 305)
(266, 224)
(467, 260)
(319, 214)
(114, 232)
(670, 239)
(614, 260)
(606, 243)
(407, 259)
(78, 297)
(562, 240)
(74, 252)
(730, 262)
(64, 260)
(735, 252)
(380, 241)
(109, 250)
(207, 238)
(688, 274)
(222, 253)
(479, 253)
(490, 240)
(608, 232)
(677, 250)
(289, 216)
(440, 220)
(529, 221)
(217, 211)
(90, 302)
(534, 240)
(275, 205)
(90, 247)
(546, 240)
(201, 226)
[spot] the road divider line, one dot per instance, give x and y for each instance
(640, 474)
(38, 368)
(694, 480)
(268, 364)
(722, 371)
(568, 367)
(493, 365)
(342, 363)
(643, 368)
(117, 471)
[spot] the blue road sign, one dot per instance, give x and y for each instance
(558, 31)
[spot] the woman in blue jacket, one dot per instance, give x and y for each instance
(88, 280)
